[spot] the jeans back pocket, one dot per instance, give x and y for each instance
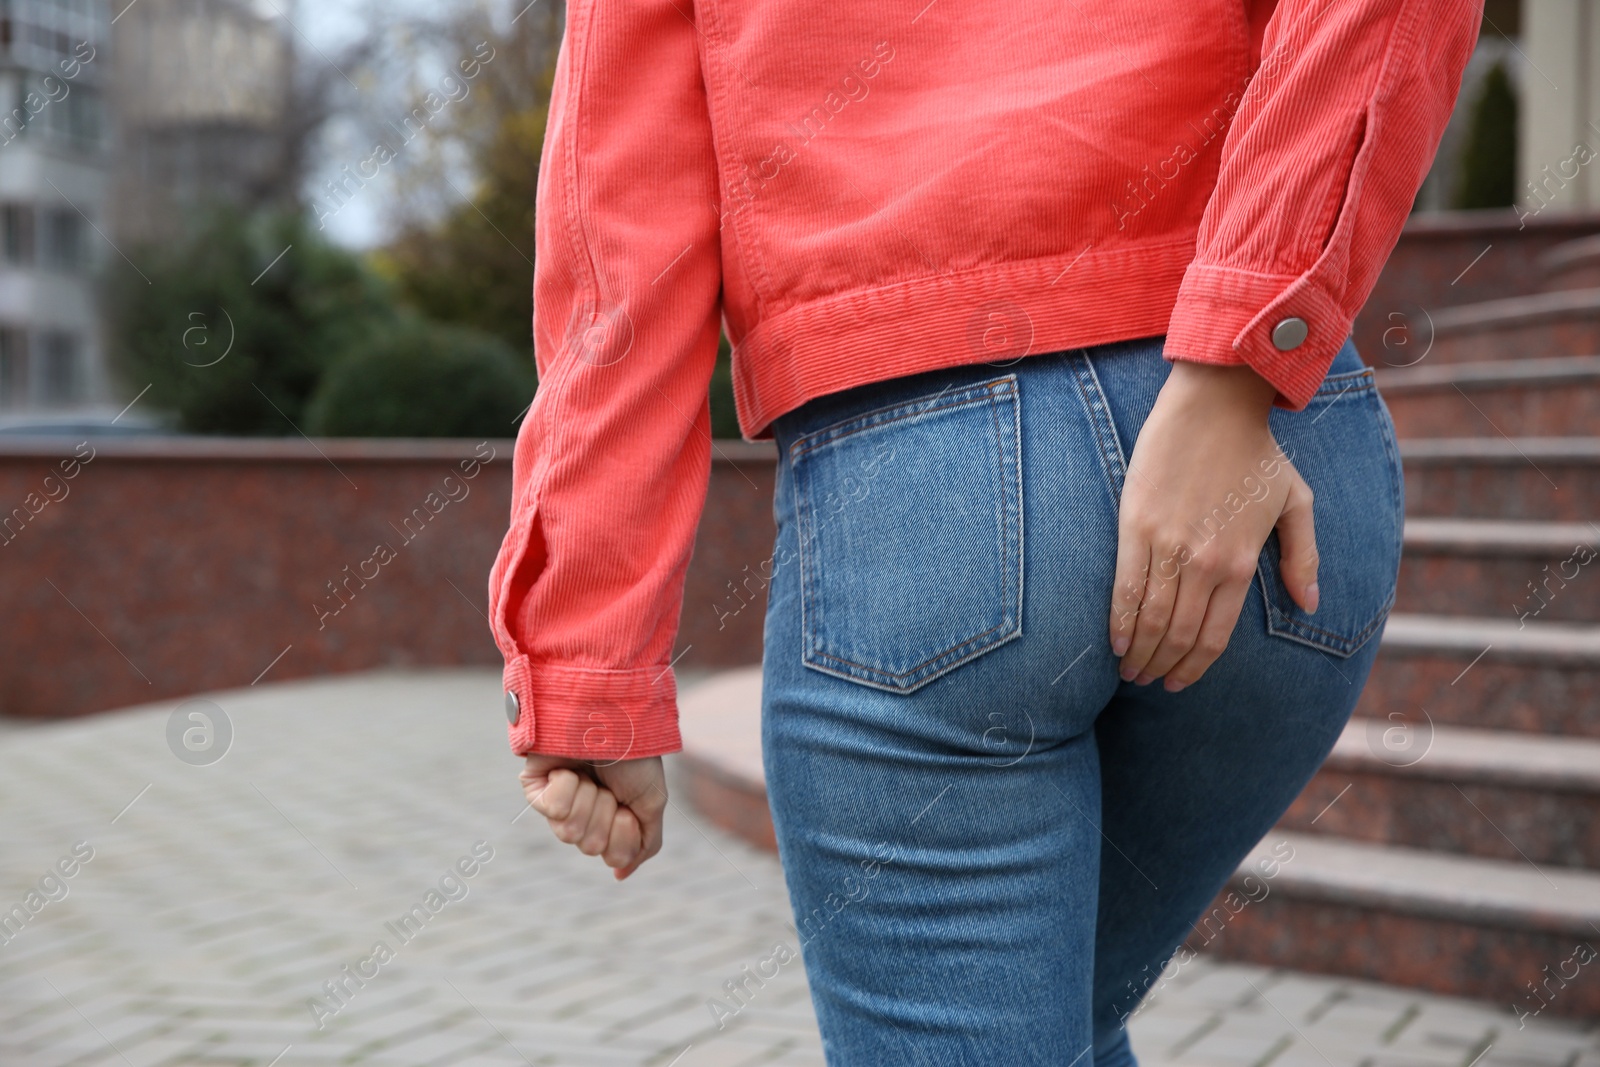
(1343, 445)
(910, 527)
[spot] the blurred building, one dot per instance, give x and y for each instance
(118, 123)
(203, 91)
(1559, 150)
(54, 171)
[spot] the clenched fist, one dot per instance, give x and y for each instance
(611, 810)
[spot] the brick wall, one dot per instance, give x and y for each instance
(142, 569)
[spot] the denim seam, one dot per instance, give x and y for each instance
(1015, 516)
(1096, 407)
(973, 394)
(1002, 514)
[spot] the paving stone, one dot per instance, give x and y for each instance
(221, 900)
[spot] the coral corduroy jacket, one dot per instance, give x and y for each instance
(861, 191)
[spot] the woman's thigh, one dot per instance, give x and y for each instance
(935, 658)
(1191, 781)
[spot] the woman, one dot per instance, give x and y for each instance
(1046, 308)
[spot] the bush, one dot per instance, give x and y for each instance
(1488, 176)
(423, 379)
(232, 326)
(724, 415)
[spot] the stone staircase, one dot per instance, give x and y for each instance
(1452, 840)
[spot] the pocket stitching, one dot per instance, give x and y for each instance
(973, 394)
(1279, 622)
(990, 392)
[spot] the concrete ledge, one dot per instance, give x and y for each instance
(199, 448)
(1471, 756)
(1518, 311)
(720, 721)
(1450, 924)
(1552, 370)
(1556, 643)
(1571, 254)
(1497, 537)
(1406, 881)
(1484, 450)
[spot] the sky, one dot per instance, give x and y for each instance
(327, 26)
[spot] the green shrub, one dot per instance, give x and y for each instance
(1488, 174)
(724, 416)
(423, 379)
(232, 325)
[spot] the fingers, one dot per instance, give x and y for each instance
(1127, 592)
(623, 847)
(1154, 615)
(597, 836)
(1297, 537)
(650, 809)
(571, 829)
(1188, 612)
(619, 817)
(550, 792)
(1222, 613)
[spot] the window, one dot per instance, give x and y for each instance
(13, 366)
(63, 247)
(83, 111)
(16, 234)
(61, 376)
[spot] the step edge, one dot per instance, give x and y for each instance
(1425, 450)
(1495, 537)
(1327, 885)
(1517, 760)
(1485, 374)
(1560, 643)
(1515, 310)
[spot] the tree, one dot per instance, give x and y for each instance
(233, 326)
(1488, 175)
(464, 253)
(464, 248)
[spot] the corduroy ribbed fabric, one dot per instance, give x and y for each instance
(861, 192)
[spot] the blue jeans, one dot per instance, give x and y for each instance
(992, 843)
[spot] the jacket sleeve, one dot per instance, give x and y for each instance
(611, 465)
(1319, 169)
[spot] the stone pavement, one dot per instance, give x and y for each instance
(206, 911)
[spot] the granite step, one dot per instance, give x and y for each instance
(1571, 265)
(1455, 789)
(1501, 569)
(1465, 925)
(1563, 323)
(1548, 397)
(1520, 933)
(1554, 479)
(1491, 674)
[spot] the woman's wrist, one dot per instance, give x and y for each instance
(1219, 388)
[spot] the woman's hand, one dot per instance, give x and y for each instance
(1206, 484)
(611, 810)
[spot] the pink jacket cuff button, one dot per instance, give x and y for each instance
(1289, 334)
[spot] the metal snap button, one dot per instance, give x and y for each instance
(513, 708)
(1289, 334)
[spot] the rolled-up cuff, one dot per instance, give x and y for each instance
(1228, 317)
(591, 714)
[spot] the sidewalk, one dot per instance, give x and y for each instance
(217, 914)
